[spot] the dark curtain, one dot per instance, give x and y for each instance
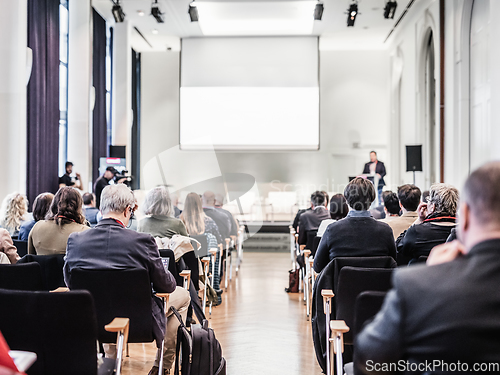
(99, 124)
(43, 98)
(136, 123)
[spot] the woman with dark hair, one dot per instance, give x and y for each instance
(64, 217)
(41, 206)
(338, 210)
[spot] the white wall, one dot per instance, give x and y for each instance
(354, 89)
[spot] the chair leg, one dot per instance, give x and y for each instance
(327, 307)
(227, 263)
(338, 354)
(127, 351)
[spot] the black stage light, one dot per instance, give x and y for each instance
(390, 9)
(118, 13)
(193, 12)
(156, 12)
(352, 12)
(318, 11)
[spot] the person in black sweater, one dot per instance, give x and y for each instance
(359, 234)
(436, 219)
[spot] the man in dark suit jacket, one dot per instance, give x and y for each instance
(359, 234)
(448, 310)
(376, 167)
(111, 246)
(219, 217)
(219, 202)
(310, 220)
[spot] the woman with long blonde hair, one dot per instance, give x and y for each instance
(12, 213)
(195, 219)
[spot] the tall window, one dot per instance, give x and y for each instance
(63, 83)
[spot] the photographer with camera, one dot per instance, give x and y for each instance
(67, 180)
(103, 181)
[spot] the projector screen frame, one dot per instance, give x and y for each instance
(251, 148)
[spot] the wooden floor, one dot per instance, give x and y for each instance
(262, 329)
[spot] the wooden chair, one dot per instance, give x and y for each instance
(63, 334)
(206, 263)
(307, 285)
(125, 293)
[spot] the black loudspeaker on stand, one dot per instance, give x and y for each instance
(414, 159)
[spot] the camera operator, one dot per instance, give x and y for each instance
(66, 180)
(103, 181)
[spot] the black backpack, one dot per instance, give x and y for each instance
(201, 352)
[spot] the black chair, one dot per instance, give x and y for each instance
(21, 276)
(172, 266)
(327, 279)
(202, 239)
(315, 245)
(61, 328)
(21, 246)
(352, 282)
(368, 304)
(311, 235)
(125, 293)
(191, 263)
(52, 269)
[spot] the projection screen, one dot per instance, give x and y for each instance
(255, 93)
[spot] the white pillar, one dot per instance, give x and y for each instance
(79, 86)
(122, 88)
(13, 80)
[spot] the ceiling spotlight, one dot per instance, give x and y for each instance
(140, 13)
(318, 11)
(156, 12)
(117, 11)
(390, 9)
(193, 12)
(352, 12)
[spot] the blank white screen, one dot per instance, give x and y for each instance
(249, 93)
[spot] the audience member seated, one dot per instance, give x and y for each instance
(378, 212)
(160, 222)
(435, 221)
(90, 210)
(195, 219)
(311, 220)
(41, 206)
(110, 246)
(65, 216)
(338, 210)
(359, 234)
(13, 212)
(175, 203)
(409, 199)
(219, 202)
(7, 247)
(425, 195)
(220, 218)
(391, 207)
(447, 311)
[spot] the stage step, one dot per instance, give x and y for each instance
(268, 242)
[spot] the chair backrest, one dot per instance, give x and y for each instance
(367, 305)
(202, 239)
(315, 245)
(52, 269)
(172, 266)
(119, 293)
(353, 281)
(363, 262)
(61, 328)
(26, 276)
(191, 263)
(21, 246)
(311, 234)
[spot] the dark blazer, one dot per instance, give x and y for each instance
(310, 220)
(295, 223)
(380, 169)
(111, 246)
(354, 237)
(418, 240)
(233, 229)
(220, 219)
(445, 312)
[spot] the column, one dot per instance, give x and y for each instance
(13, 80)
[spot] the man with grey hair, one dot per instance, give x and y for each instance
(445, 315)
(436, 219)
(111, 246)
(220, 218)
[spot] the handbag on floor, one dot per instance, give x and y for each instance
(293, 281)
(201, 352)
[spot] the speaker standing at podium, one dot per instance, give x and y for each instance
(376, 168)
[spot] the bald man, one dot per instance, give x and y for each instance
(219, 217)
